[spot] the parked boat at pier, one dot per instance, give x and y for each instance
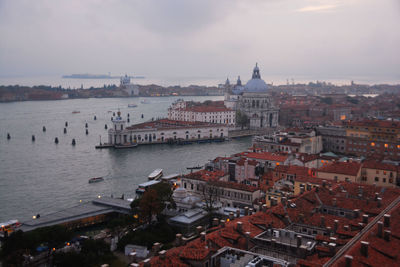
(132, 105)
(156, 174)
(129, 145)
(96, 180)
(145, 186)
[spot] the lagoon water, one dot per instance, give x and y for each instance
(42, 177)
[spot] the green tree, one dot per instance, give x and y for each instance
(241, 119)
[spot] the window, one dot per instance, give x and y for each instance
(376, 179)
(191, 186)
(384, 180)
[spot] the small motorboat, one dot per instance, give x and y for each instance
(156, 174)
(96, 180)
(145, 101)
(75, 112)
(132, 105)
(128, 145)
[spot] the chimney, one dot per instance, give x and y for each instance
(251, 211)
(330, 191)
(246, 211)
(346, 227)
(239, 226)
(222, 223)
(247, 234)
(356, 213)
(364, 248)
(322, 221)
(386, 220)
(301, 189)
(215, 222)
(178, 240)
(203, 236)
(335, 225)
(132, 256)
(348, 260)
(379, 202)
(386, 235)
(298, 241)
(332, 247)
(380, 229)
(334, 202)
(156, 248)
(283, 201)
(231, 216)
(162, 254)
(146, 262)
(365, 218)
(376, 195)
(199, 229)
(237, 213)
(317, 188)
(264, 208)
(361, 225)
(323, 183)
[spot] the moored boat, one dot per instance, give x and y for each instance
(132, 105)
(96, 180)
(156, 174)
(143, 187)
(75, 112)
(129, 145)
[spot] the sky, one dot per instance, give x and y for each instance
(201, 38)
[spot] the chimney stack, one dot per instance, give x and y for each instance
(380, 229)
(203, 236)
(237, 213)
(215, 222)
(322, 221)
(239, 226)
(346, 227)
(146, 262)
(246, 211)
(364, 248)
(335, 225)
(356, 213)
(386, 220)
(348, 260)
(376, 195)
(386, 235)
(162, 254)
(178, 240)
(156, 248)
(251, 211)
(231, 216)
(323, 183)
(222, 223)
(247, 234)
(379, 202)
(365, 218)
(334, 202)
(298, 241)
(199, 229)
(264, 208)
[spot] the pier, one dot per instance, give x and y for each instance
(84, 214)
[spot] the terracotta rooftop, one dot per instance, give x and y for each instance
(372, 164)
(267, 156)
(346, 168)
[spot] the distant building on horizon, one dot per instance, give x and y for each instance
(127, 86)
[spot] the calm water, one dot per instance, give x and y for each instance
(42, 177)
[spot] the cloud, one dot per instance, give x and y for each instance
(319, 8)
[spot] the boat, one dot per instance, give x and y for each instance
(75, 112)
(156, 174)
(128, 145)
(132, 105)
(96, 180)
(144, 101)
(198, 167)
(143, 187)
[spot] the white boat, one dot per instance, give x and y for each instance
(132, 105)
(156, 174)
(145, 101)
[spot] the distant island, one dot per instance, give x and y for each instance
(97, 76)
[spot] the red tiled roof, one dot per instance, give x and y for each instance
(267, 156)
(372, 164)
(347, 168)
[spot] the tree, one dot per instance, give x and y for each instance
(210, 196)
(241, 119)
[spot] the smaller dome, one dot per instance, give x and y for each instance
(190, 200)
(179, 193)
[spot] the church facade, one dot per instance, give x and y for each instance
(254, 100)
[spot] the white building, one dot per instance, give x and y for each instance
(213, 112)
(127, 86)
(164, 131)
(254, 100)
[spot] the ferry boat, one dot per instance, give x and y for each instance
(129, 145)
(156, 174)
(143, 187)
(132, 105)
(9, 227)
(96, 180)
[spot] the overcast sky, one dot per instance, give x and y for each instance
(313, 38)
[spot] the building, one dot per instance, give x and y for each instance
(209, 111)
(290, 140)
(164, 131)
(374, 138)
(380, 174)
(230, 194)
(254, 101)
(333, 138)
(341, 171)
(128, 87)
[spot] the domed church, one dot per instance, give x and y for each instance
(254, 100)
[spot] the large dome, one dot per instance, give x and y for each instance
(256, 84)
